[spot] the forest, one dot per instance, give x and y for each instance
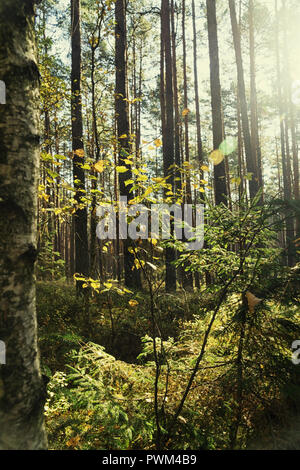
(149, 225)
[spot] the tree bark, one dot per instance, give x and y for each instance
(216, 102)
(22, 393)
(94, 246)
(250, 161)
(197, 104)
(289, 226)
(132, 277)
(168, 137)
(82, 265)
(185, 104)
(253, 98)
(292, 168)
(176, 102)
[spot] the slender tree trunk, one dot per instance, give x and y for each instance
(82, 265)
(292, 166)
(162, 94)
(187, 277)
(216, 102)
(240, 149)
(197, 104)
(198, 119)
(284, 156)
(132, 277)
(94, 246)
(138, 105)
(250, 160)
(22, 393)
(176, 102)
(239, 375)
(281, 110)
(253, 99)
(185, 105)
(168, 136)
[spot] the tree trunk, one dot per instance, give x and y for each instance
(176, 102)
(82, 265)
(22, 393)
(253, 99)
(284, 156)
(292, 167)
(185, 105)
(216, 102)
(168, 136)
(251, 164)
(187, 277)
(94, 247)
(197, 104)
(132, 277)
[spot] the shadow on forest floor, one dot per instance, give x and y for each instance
(279, 438)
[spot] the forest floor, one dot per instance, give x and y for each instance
(115, 393)
(279, 438)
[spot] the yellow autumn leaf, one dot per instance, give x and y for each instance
(148, 191)
(142, 178)
(252, 301)
(121, 169)
(138, 264)
(204, 168)
(127, 290)
(133, 303)
(73, 442)
(158, 180)
(79, 153)
(45, 196)
(108, 285)
(86, 166)
(99, 166)
(185, 111)
(158, 143)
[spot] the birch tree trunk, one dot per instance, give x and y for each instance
(22, 393)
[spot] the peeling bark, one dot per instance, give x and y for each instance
(22, 392)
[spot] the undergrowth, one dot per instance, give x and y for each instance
(101, 392)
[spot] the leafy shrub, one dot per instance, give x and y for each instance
(101, 403)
